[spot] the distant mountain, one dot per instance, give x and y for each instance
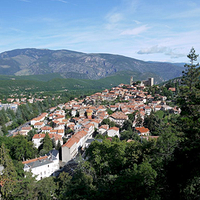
(71, 64)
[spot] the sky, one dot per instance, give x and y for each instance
(149, 30)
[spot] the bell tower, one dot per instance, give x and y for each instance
(131, 81)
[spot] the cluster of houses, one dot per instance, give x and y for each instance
(13, 103)
(86, 118)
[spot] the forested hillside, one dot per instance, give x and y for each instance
(53, 82)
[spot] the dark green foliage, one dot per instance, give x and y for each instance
(125, 135)
(46, 145)
(109, 111)
(25, 188)
(28, 188)
(46, 188)
(30, 134)
(9, 176)
(132, 116)
(58, 146)
(138, 121)
(63, 182)
(154, 123)
(108, 122)
(21, 149)
(185, 164)
(3, 117)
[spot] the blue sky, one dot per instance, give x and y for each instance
(153, 30)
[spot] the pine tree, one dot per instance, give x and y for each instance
(47, 143)
(192, 71)
(189, 99)
(183, 172)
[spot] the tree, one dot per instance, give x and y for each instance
(46, 188)
(183, 171)
(25, 188)
(154, 122)
(21, 149)
(8, 179)
(139, 121)
(109, 111)
(192, 71)
(4, 129)
(127, 125)
(63, 185)
(46, 145)
(125, 135)
(30, 134)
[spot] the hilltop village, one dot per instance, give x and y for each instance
(75, 124)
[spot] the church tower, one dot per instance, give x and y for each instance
(131, 81)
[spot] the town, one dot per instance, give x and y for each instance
(75, 124)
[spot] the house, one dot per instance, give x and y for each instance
(113, 131)
(118, 118)
(46, 129)
(147, 110)
(44, 166)
(25, 130)
(39, 125)
(113, 107)
(89, 128)
(150, 137)
(172, 89)
(103, 129)
(157, 108)
(142, 131)
(39, 118)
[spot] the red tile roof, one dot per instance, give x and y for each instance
(142, 129)
(114, 128)
(35, 159)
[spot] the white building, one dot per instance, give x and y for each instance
(71, 147)
(103, 129)
(118, 117)
(113, 131)
(43, 167)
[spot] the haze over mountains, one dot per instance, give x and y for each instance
(71, 64)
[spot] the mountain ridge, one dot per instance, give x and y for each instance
(73, 64)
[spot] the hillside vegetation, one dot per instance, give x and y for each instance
(53, 82)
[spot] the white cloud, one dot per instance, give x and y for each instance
(162, 49)
(63, 1)
(151, 50)
(135, 31)
(113, 20)
(114, 17)
(137, 22)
